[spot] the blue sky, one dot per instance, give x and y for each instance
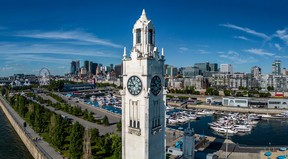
(42, 33)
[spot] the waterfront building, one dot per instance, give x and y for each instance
(236, 102)
(226, 68)
(198, 82)
(220, 80)
(278, 103)
(175, 83)
(143, 118)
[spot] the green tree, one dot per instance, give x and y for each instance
(85, 114)
(227, 93)
(106, 121)
(270, 88)
(57, 131)
(91, 117)
(76, 141)
(116, 145)
(119, 126)
(3, 91)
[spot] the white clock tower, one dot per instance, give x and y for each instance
(143, 109)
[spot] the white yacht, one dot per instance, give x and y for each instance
(224, 131)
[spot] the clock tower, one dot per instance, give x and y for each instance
(143, 109)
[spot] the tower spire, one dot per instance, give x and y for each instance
(124, 53)
(143, 16)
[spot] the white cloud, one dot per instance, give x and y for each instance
(75, 35)
(235, 57)
(283, 35)
(259, 52)
(242, 38)
(20, 48)
(20, 58)
(246, 30)
(278, 46)
(183, 49)
(201, 51)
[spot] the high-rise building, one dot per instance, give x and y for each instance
(213, 67)
(191, 71)
(256, 72)
(86, 65)
(77, 66)
(203, 67)
(111, 67)
(171, 71)
(118, 70)
(94, 67)
(284, 71)
(226, 68)
(143, 118)
(73, 68)
(276, 67)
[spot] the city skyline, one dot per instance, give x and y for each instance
(52, 34)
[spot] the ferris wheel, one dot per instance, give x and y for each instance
(44, 77)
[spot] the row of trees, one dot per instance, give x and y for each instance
(76, 110)
(72, 140)
(246, 93)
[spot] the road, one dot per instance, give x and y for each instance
(102, 129)
(42, 145)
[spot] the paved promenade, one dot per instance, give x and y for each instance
(42, 145)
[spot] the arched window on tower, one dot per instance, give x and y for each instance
(138, 36)
(150, 36)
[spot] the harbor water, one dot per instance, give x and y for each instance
(11, 146)
(274, 132)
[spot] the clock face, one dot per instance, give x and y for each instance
(155, 86)
(134, 85)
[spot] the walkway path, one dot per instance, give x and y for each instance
(42, 145)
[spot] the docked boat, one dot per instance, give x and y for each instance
(93, 98)
(254, 117)
(224, 131)
(243, 128)
(205, 112)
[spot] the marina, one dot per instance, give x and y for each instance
(241, 128)
(262, 133)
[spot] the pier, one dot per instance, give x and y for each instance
(230, 109)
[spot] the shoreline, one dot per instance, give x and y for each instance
(26, 135)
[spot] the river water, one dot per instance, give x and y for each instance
(11, 146)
